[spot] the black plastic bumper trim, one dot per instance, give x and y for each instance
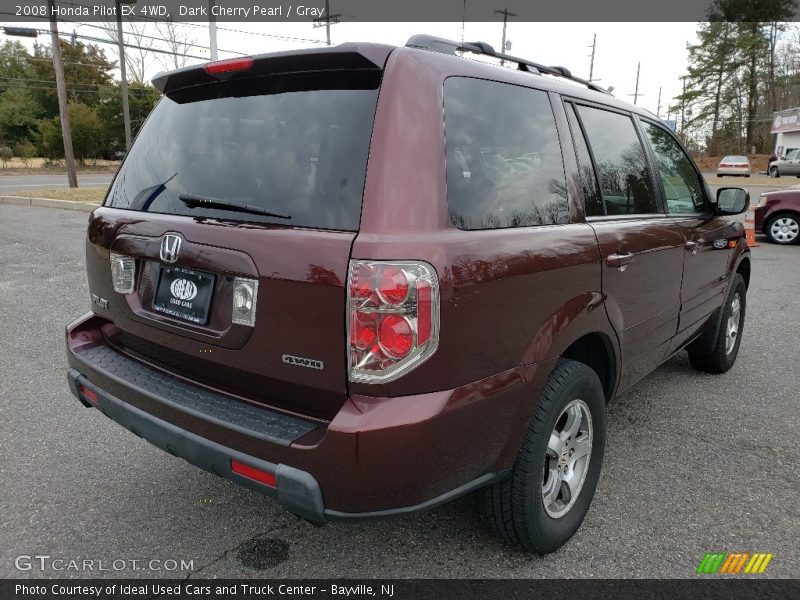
(471, 486)
(297, 491)
(262, 423)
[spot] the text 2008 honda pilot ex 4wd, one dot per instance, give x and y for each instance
(366, 280)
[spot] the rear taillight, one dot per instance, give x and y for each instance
(245, 298)
(393, 316)
(123, 273)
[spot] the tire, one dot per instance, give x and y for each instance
(783, 228)
(725, 348)
(774, 173)
(514, 508)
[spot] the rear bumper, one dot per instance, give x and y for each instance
(295, 490)
(377, 458)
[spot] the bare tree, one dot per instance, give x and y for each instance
(138, 47)
(178, 42)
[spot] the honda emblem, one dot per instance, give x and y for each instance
(170, 247)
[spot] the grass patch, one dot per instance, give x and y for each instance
(71, 194)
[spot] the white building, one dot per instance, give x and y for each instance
(786, 126)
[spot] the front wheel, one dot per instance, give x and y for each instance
(725, 347)
(784, 229)
(544, 500)
(773, 172)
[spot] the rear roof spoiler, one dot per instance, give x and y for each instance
(335, 58)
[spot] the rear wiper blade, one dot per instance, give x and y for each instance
(193, 201)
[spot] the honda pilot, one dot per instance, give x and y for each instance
(366, 280)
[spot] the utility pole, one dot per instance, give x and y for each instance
(126, 114)
(505, 14)
(636, 93)
(591, 62)
(658, 110)
(212, 30)
(463, 20)
(327, 20)
(683, 106)
(61, 85)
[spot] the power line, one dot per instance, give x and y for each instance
(26, 79)
(145, 19)
(47, 60)
(150, 37)
(70, 89)
(127, 44)
(260, 34)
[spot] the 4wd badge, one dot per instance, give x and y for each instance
(300, 361)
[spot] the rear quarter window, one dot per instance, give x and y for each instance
(504, 163)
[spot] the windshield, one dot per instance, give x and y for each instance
(290, 145)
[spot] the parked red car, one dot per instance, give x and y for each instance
(778, 215)
(366, 280)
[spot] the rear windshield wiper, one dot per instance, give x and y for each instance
(193, 201)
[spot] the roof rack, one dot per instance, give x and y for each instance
(437, 44)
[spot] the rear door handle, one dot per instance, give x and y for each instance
(619, 261)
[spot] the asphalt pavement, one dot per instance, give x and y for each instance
(695, 463)
(11, 184)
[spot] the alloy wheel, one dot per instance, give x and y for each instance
(566, 460)
(732, 328)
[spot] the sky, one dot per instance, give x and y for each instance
(659, 47)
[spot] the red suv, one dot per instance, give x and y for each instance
(366, 280)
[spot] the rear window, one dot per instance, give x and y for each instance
(735, 159)
(504, 164)
(294, 145)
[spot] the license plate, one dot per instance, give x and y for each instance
(184, 293)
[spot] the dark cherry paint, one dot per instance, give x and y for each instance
(512, 302)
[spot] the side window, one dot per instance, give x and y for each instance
(593, 204)
(625, 182)
(504, 164)
(683, 190)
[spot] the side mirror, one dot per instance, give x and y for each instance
(783, 158)
(732, 200)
